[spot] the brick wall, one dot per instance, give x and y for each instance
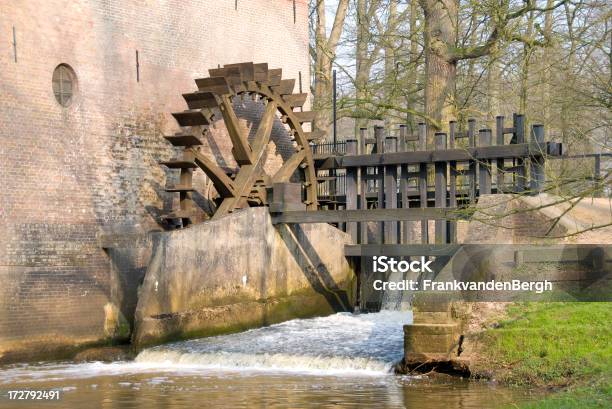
(69, 173)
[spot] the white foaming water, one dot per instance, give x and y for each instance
(367, 344)
(343, 343)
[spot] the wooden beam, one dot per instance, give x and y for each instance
(248, 174)
(285, 172)
(295, 100)
(242, 150)
(284, 87)
(361, 215)
(398, 250)
(200, 99)
(399, 158)
(223, 184)
(216, 85)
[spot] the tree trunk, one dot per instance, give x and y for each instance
(390, 83)
(441, 18)
(362, 73)
(412, 85)
(527, 51)
(325, 53)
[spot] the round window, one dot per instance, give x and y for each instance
(64, 84)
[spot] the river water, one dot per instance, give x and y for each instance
(344, 360)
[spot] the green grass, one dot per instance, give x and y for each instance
(562, 346)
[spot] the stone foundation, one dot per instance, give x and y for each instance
(241, 272)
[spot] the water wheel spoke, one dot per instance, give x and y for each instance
(289, 167)
(242, 150)
(224, 185)
(264, 130)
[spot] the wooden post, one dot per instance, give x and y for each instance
(440, 187)
(473, 165)
(403, 143)
(404, 225)
(452, 184)
(362, 140)
(379, 135)
(406, 231)
(452, 125)
(351, 188)
(537, 162)
(519, 137)
(390, 192)
(363, 200)
(499, 141)
(422, 136)
(423, 182)
(484, 179)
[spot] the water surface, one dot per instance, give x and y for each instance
(343, 360)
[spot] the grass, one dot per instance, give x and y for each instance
(565, 347)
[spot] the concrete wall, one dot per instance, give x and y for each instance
(241, 272)
(69, 173)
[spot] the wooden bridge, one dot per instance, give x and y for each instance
(377, 189)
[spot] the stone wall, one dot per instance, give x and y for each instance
(240, 272)
(70, 173)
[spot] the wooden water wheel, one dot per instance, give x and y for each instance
(249, 184)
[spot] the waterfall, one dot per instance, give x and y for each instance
(362, 344)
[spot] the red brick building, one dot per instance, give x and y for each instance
(79, 149)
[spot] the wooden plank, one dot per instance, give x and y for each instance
(306, 116)
(192, 117)
(178, 164)
(296, 100)
(183, 140)
(459, 155)
(260, 72)
(179, 188)
(200, 99)
(274, 76)
(216, 85)
(399, 250)
(246, 70)
(362, 215)
(285, 87)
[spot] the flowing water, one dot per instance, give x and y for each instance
(344, 360)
